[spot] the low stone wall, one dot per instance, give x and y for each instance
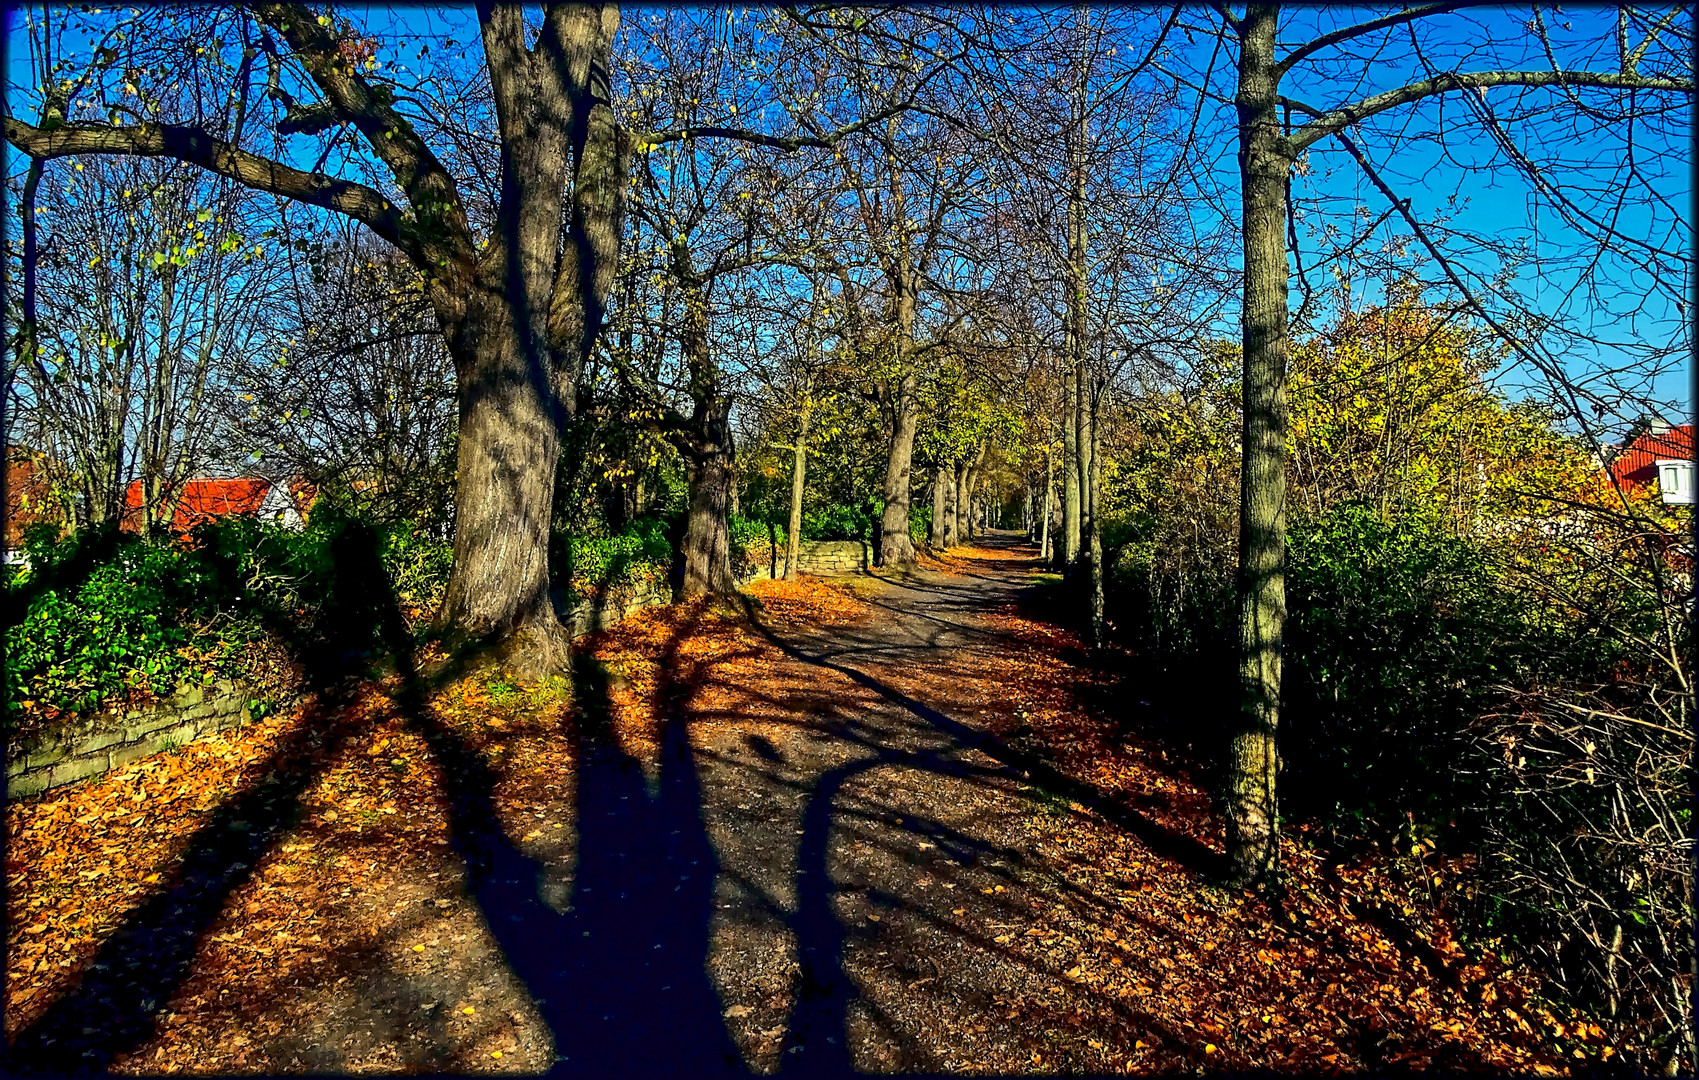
(95, 744)
(600, 612)
(816, 557)
(103, 741)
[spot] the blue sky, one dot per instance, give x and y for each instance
(1496, 204)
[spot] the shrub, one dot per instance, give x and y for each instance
(919, 522)
(747, 533)
(418, 567)
(1534, 697)
(836, 521)
(82, 643)
(594, 563)
(101, 613)
(1397, 633)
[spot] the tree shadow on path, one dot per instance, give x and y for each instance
(1197, 857)
(116, 1005)
(619, 976)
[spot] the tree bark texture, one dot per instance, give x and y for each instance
(1049, 487)
(958, 503)
(799, 476)
(941, 480)
(896, 546)
(952, 523)
(706, 443)
(966, 526)
(706, 549)
(520, 333)
(1084, 441)
(1094, 529)
(1070, 546)
(1252, 818)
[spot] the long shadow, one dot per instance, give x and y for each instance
(817, 1042)
(620, 975)
(115, 1006)
(1198, 857)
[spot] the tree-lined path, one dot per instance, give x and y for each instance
(1329, 361)
(851, 825)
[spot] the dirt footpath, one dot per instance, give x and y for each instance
(841, 830)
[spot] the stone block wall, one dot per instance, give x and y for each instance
(94, 744)
(600, 612)
(815, 557)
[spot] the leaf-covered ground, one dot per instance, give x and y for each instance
(863, 824)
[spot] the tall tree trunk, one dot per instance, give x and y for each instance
(799, 474)
(521, 324)
(969, 525)
(1049, 486)
(958, 501)
(940, 506)
(1070, 546)
(896, 546)
(707, 445)
(1095, 528)
(1083, 443)
(706, 548)
(509, 443)
(1252, 814)
(1077, 441)
(952, 525)
(154, 437)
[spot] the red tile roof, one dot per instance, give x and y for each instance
(1637, 463)
(201, 501)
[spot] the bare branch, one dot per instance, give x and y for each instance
(1397, 18)
(1336, 120)
(196, 147)
(789, 144)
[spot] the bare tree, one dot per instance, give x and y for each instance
(906, 184)
(148, 293)
(354, 389)
(1270, 147)
(520, 297)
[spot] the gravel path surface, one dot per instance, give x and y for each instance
(827, 876)
(814, 836)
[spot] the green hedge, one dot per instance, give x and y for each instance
(101, 614)
(1398, 635)
(122, 625)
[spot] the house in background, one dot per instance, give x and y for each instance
(287, 502)
(1661, 457)
(29, 498)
